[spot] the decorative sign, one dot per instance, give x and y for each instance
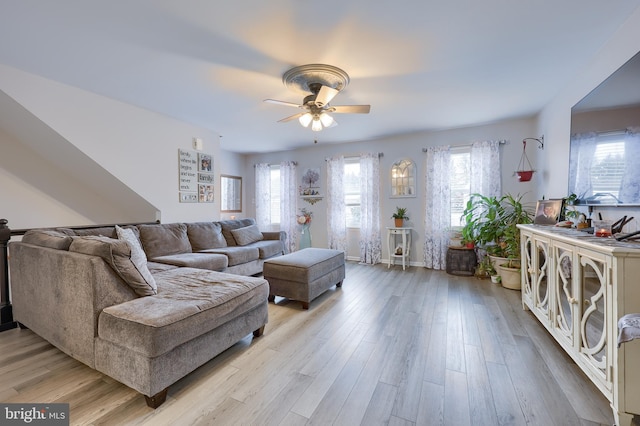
(196, 178)
(206, 178)
(188, 171)
(188, 197)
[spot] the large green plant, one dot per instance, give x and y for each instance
(491, 222)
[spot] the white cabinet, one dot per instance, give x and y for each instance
(578, 286)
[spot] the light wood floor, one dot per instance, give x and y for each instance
(414, 347)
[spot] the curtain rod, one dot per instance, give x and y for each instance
(500, 142)
(295, 163)
(380, 154)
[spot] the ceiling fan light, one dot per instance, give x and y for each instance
(326, 119)
(316, 125)
(305, 119)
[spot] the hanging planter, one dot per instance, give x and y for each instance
(524, 175)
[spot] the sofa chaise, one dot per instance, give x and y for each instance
(143, 304)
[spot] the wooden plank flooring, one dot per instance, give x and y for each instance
(414, 347)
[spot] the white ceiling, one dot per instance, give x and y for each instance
(421, 64)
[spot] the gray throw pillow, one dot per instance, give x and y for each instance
(138, 256)
(47, 238)
(117, 253)
(164, 239)
(205, 235)
(247, 235)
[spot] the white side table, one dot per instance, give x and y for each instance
(405, 234)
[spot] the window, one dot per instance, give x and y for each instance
(275, 194)
(352, 191)
(607, 166)
(460, 183)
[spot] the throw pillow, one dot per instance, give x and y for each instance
(247, 235)
(117, 253)
(47, 238)
(205, 235)
(164, 239)
(138, 256)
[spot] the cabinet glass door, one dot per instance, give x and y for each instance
(527, 242)
(593, 282)
(541, 285)
(564, 297)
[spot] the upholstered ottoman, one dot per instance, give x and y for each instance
(304, 275)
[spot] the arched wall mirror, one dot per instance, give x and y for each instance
(403, 179)
(230, 193)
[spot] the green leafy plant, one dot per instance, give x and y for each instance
(485, 268)
(401, 213)
(491, 222)
(569, 208)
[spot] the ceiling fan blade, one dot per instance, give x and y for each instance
(351, 109)
(273, 101)
(325, 95)
(292, 117)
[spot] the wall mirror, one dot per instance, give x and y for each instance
(604, 161)
(230, 193)
(403, 179)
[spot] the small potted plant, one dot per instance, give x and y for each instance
(400, 215)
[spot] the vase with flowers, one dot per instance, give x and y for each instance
(304, 220)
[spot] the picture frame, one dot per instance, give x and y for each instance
(205, 163)
(205, 193)
(548, 212)
(310, 182)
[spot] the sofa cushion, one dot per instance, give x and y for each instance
(47, 238)
(228, 225)
(269, 248)
(210, 261)
(164, 239)
(237, 255)
(106, 231)
(247, 235)
(190, 302)
(118, 254)
(205, 235)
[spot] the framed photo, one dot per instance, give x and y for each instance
(548, 212)
(205, 163)
(310, 182)
(205, 193)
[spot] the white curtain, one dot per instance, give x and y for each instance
(630, 187)
(485, 168)
(336, 217)
(437, 207)
(263, 196)
(370, 240)
(583, 148)
(288, 205)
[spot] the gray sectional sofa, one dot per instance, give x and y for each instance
(144, 304)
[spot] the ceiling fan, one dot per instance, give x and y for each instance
(324, 82)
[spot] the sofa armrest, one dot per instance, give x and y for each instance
(274, 235)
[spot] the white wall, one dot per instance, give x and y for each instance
(394, 149)
(555, 118)
(138, 147)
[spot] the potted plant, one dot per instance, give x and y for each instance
(399, 216)
(492, 221)
(485, 269)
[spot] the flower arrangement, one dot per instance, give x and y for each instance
(304, 218)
